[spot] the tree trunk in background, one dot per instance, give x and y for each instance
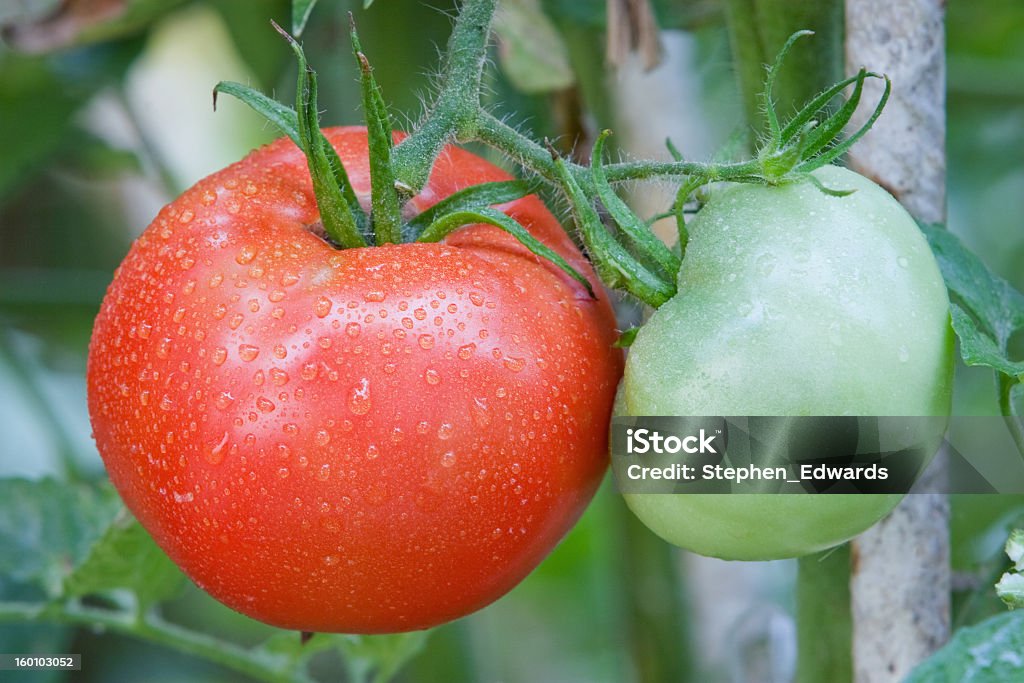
(900, 581)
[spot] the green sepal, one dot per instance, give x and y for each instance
(446, 224)
(821, 136)
(771, 118)
(651, 251)
(614, 265)
(626, 338)
(475, 196)
(334, 195)
(278, 114)
(835, 152)
(809, 110)
(386, 215)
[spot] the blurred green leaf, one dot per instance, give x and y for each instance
(379, 656)
(978, 348)
(301, 9)
(990, 652)
(48, 528)
(126, 557)
(998, 307)
(530, 49)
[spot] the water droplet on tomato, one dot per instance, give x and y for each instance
(374, 296)
(445, 431)
(331, 560)
(214, 452)
(324, 473)
(902, 261)
(353, 329)
(432, 376)
(224, 400)
(283, 473)
(359, 397)
(308, 371)
(322, 438)
(265, 405)
(248, 352)
(466, 351)
(372, 452)
(515, 364)
(426, 341)
(322, 307)
(246, 254)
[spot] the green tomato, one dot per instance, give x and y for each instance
(791, 302)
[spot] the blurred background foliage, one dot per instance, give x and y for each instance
(105, 115)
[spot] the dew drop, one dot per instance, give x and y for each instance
(448, 459)
(432, 376)
(372, 452)
(353, 329)
(214, 452)
(331, 560)
(322, 438)
(359, 397)
(308, 371)
(426, 341)
(904, 354)
(265, 405)
(224, 400)
(283, 473)
(902, 261)
(166, 403)
(465, 352)
(248, 352)
(445, 431)
(246, 254)
(515, 364)
(279, 351)
(324, 472)
(322, 307)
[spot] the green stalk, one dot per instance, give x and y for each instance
(824, 623)
(453, 114)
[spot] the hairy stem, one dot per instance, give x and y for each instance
(454, 112)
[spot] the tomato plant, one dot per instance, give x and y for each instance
(792, 302)
(362, 440)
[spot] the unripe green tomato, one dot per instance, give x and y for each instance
(791, 302)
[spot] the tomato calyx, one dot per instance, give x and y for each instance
(345, 225)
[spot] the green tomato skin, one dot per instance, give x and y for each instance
(791, 302)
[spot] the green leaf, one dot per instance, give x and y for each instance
(301, 9)
(990, 652)
(383, 655)
(278, 114)
(531, 52)
(126, 557)
(475, 196)
(443, 226)
(998, 307)
(48, 528)
(386, 215)
(978, 348)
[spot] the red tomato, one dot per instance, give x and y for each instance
(363, 440)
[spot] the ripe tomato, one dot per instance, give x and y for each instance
(792, 302)
(365, 440)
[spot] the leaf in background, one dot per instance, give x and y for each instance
(991, 299)
(301, 9)
(989, 652)
(978, 348)
(530, 49)
(125, 557)
(77, 22)
(383, 656)
(47, 528)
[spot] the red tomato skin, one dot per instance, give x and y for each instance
(364, 440)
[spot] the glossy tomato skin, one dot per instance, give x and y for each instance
(792, 302)
(363, 440)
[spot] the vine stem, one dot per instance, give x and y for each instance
(900, 581)
(261, 666)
